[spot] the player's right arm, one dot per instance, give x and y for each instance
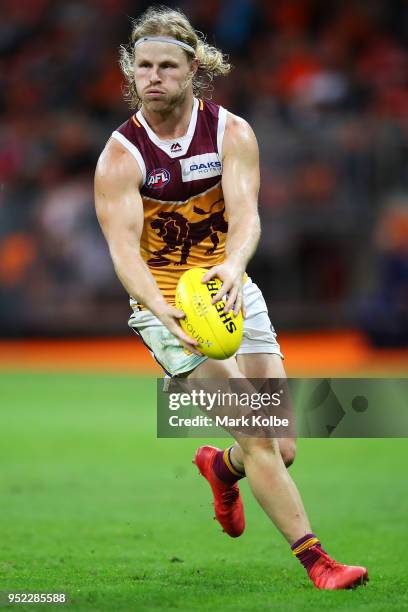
(119, 209)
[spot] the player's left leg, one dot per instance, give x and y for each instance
(263, 365)
(256, 365)
(259, 357)
(263, 465)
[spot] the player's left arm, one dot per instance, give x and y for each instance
(240, 185)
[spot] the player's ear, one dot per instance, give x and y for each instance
(194, 66)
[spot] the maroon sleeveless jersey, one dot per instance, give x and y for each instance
(185, 223)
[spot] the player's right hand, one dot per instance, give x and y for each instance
(169, 316)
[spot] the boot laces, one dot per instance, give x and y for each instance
(230, 495)
(329, 561)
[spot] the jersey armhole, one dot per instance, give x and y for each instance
(133, 150)
(222, 120)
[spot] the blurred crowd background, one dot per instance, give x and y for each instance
(324, 84)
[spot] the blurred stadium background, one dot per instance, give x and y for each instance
(324, 85)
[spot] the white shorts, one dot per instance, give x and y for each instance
(259, 335)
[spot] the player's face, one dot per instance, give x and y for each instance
(162, 75)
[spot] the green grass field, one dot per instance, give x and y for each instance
(94, 505)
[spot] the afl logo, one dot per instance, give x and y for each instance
(158, 178)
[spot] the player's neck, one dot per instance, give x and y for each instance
(171, 124)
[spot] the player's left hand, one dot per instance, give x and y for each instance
(231, 276)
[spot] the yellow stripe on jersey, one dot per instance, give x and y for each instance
(201, 104)
(135, 121)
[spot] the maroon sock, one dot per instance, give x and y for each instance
(224, 469)
(302, 550)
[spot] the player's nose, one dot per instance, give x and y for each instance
(154, 75)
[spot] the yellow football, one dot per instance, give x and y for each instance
(218, 333)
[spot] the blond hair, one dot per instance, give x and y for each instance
(162, 21)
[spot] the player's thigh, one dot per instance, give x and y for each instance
(261, 365)
(266, 365)
(212, 368)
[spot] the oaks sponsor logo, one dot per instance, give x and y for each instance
(199, 167)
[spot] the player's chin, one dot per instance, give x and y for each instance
(159, 103)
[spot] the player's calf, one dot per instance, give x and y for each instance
(254, 448)
(287, 447)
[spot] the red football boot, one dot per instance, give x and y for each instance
(229, 510)
(326, 573)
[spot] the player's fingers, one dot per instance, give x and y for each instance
(222, 291)
(187, 339)
(179, 333)
(238, 304)
(188, 342)
(232, 296)
(209, 275)
(179, 314)
(244, 311)
(192, 349)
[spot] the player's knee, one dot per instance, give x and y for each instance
(288, 451)
(256, 446)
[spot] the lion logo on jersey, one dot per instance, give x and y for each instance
(179, 233)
